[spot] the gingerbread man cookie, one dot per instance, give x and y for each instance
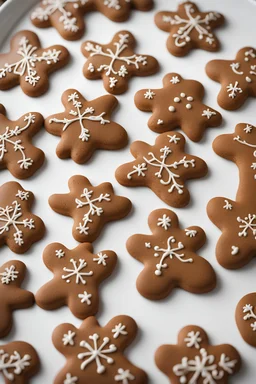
(169, 257)
(77, 276)
(29, 65)
(85, 126)
(163, 167)
(116, 62)
(95, 354)
(246, 318)
(194, 361)
(189, 28)
(178, 104)
(19, 228)
(12, 296)
(16, 150)
(18, 362)
(237, 78)
(91, 207)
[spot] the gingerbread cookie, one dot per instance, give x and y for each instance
(163, 167)
(194, 361)
(185, 269)
(189, 28)
(12, 296)
(246, 318)
(29, 65)
(116, 62)
(178, 104)
(19, 228)
(95, 354)
(18, 362)
(237, 78)
(16, 150)
(91, 207)
(85, 126)
(77, 276)
(67, 16)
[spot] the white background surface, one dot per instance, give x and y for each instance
(159, 322)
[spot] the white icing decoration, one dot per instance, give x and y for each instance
(9, 275)
(228, 206)
(251, 70)
(85, 297)
(80, 115)
(97, 352)
(233, 90)
(76, 271)
(160, 122)
(190, 98)
(112, 82)
(91, 68)
(247, 224)
(101, 259)
(28, 62)
(234, 250)
(193, 339)
(249, 54)
(164, 222)
(176, 99)
(70, 379)
(172, 108)
(59, 253)
(68, 338)
(250, 314)
(115, 4)
(14, 364)
(139, 169)
(23, 195)
(149, 94)
(179, 100)
(148, 245)
(247, 129)
(124, 376)
(188, 106)
(235, 67)
(118, 330)
(93, 208)
(191, 232)
(173, 139)
(207, 113)
(175, 80)
(182, 94)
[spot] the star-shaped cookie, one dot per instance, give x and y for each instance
(163, 167)
(85, 126)
(95, 354)
(169, 257)
(178, 104)
(77, 276)
(246, 318)
(116, 62)
(237, 78)
(194, 360)
(29, 65)
(90, 207)
(189, 28)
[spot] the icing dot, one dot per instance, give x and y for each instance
(190, 98)
(188, 106)
(182, 94)
(158, 273)
(248, 79)
(172, 108)
(246, 59)
(176, 99)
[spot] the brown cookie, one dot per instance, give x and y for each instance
(29, 65)
(163, 167)
(90, 207)
(77, 276)
(12, 296)
(19, 228)
(169, 257)
(193, 360)
(189, 28)
(95, 354)
(237, 78)
(67, 16)
(19, 361)
(16, 150)
(85, 126)
(116, 62)
(246, 318)
(178, 104)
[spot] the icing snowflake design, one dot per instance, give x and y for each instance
(124, 376)
(76, 271)
(204, 367)
(68, 338)
(85, 297)
(93, 208)
(23, 195)
(59, 253)
(190, 232)
(164, 222)
(248, 129)
(115, 4)
(247, 224)
(68, 20)
(149, 94)
(101, 259)
(119, 330)
(96, 352)
(9, 275)
(193, 339)
(175, 80)
(171, 179)
(125, 61)
(28, 61)
(228, 206)
(250, 314)
(14, 364)
(169, 252)
(233, 90)
(9, 138)
(201, 25)
(80, 115)
(208, 113)
(70, 379)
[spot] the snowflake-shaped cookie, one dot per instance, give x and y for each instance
(85, 126)
(237, 78)
(178, 104)
(77, 276)
(194, 361)
(116, 62)
(163, 167)
(95, 355)
(189, 28)
(169, 257)
(246, 318)
(12, 296)
(16, 150)
(29, 65)
(91, 207)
